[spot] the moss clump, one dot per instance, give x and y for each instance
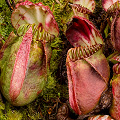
(2, 108)
(5, 22)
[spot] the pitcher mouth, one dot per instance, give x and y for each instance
(78, 53)
(81, 32)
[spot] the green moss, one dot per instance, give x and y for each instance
(14, 115)
(5, 22)
(9, 113)
(2, 108)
